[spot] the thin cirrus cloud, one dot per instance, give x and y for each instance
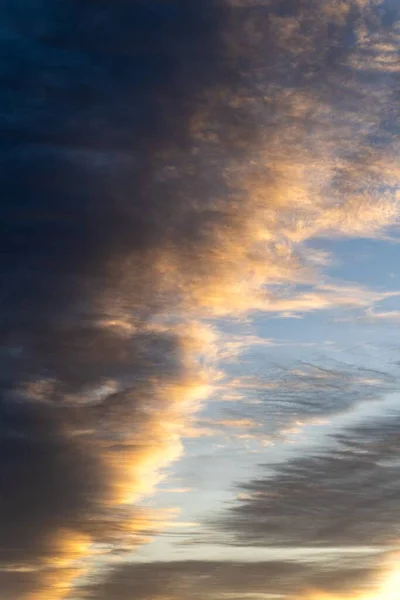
(272, 399)
(162, 163)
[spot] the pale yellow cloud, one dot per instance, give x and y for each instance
(238, 423)
(376, 315)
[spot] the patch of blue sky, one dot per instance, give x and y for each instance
(369, 262)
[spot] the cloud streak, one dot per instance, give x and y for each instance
(342, 495)
(212, 580)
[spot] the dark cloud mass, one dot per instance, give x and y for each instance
(93, 94)
(148, 150)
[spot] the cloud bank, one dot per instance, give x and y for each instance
(162, 163)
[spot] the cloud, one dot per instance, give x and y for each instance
(274, 398)
(219, 579)
(344, 494)
(183, 490)
(162, 163)
(379, 316)
(94, 395)
(281, 398)
(74, 463)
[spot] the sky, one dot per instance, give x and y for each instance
(200, 300)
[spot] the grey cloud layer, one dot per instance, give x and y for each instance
(235, 579)
(344, 495)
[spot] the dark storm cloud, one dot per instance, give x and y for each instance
(92, 92)
(86, 85)
(123, 127)
(208, 579)
(345, 494)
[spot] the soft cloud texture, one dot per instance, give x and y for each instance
(213, 580)
(344, 494)
(163, 163)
